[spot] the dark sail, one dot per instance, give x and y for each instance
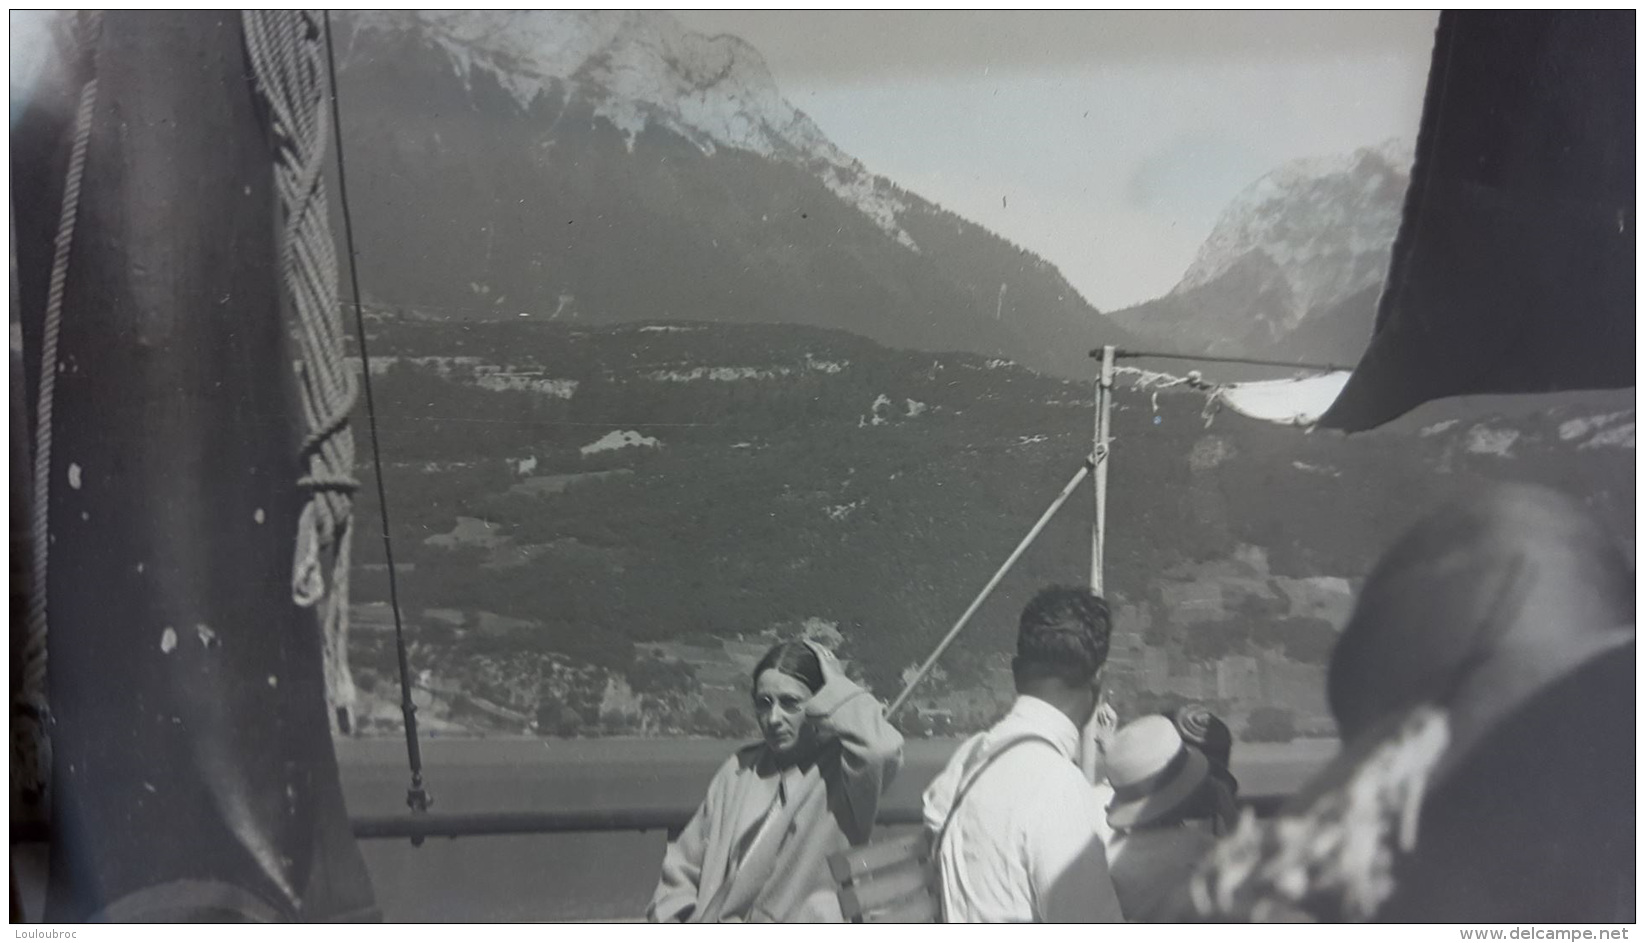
(1513, 271)
(193, 773)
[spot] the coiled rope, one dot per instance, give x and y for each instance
(30, 705)
(287, 52)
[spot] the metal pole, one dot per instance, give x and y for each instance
(999, 574)
(1090, 752)
(1105, 402)
(1208, 358)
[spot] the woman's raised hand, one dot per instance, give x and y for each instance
(828, 662)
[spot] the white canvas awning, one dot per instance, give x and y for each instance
(1299, 401)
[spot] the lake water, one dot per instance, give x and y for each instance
(598, 875)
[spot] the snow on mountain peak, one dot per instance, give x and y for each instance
(642, 68)
(1327, 224)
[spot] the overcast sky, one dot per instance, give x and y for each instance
(1107, 142)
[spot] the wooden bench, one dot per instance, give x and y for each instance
(889, 881)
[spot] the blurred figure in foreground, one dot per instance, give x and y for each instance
(1484, 689)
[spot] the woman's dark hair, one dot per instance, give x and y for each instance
(1200, 728)
(795, 659)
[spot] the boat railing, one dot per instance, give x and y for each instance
(417, 826)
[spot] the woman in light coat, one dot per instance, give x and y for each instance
(757, 850)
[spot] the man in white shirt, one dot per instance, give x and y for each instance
(1020, 830)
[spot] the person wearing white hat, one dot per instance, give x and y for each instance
(1159, 814)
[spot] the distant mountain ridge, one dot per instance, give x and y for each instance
(1294, 265)
(606, 166)
(641, 68)
(675, 487)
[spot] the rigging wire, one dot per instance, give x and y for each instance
(1122, 354)
(417, 796)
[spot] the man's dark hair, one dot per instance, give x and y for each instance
(1063, 634)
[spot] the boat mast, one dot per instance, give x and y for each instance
(1090, 750)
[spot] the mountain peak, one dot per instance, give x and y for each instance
(1398, 152)
(642, 68)
(1294, 265)
(642, 65)
(1327, 222)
